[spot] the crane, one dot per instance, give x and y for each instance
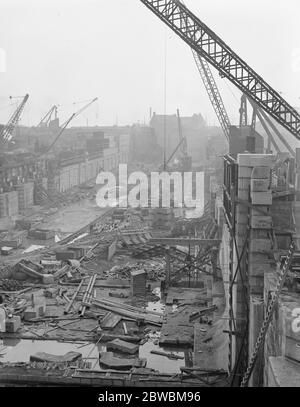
(221, 113)
(8, 129)
(46, 120)
(65, 125)
(213, 93)
(229, 65)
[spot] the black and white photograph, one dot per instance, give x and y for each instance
(149, 198)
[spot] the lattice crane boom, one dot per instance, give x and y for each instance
(211, 47)
(213, 93)
(7, 131)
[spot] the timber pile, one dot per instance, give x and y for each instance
(128, 311)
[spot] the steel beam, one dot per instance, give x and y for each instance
(211, 47)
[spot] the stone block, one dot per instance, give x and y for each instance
(122, 346)
(270, 281)
(31, 313)
(13, 324)
(255, 160)
(291, 320)
(245, 172)
(261, 173)
(261, 210)
(255, 322)
(260, 245)
(261, 222)
(259, 269)
(261, 198)
(260, 185)
(256, 281)
(243, 184)
(283, 373)
(292, 349)
(258, 258)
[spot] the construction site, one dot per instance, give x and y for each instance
(143, 296)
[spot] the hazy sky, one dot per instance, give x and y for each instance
(66, 51)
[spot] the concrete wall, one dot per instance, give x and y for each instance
(78, 174)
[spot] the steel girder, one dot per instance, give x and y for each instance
(211, 47)
(213, 93)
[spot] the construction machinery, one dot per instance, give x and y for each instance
(229, 65)
(8, 130)
(48, 121)
(265, 100)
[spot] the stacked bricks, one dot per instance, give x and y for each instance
(138, 283)
(25, 195)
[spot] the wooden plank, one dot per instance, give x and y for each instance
(110, 321)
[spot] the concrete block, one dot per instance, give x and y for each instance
(259, 234)
(256, 281)
(261, 210)
(255, 322)
(270, 281)
(245, 172)
(13, 324)
(259, 269)
(256, 290)
(260, 245)
(31, 313)
(261, 198)
(291, 320)
(255, 160)
(122, 346)
(258, 257)
(260, 185)
(283, 373)
(261, 173)
(261, 222)
(243, 184)
(292, 349)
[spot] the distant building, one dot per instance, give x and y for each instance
(193, 128)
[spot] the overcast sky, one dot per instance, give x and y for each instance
(66, 51)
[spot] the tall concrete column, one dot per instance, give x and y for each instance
(247, 236)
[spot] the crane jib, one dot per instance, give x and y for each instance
(212, 48)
